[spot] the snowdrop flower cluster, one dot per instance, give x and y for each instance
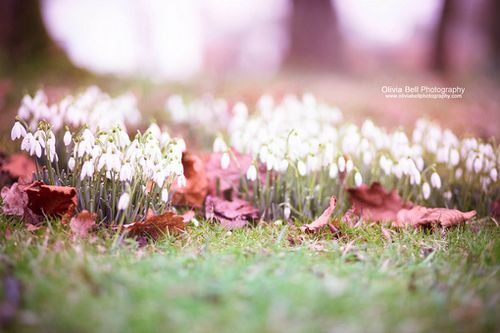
(115, 176)
(208, 113)
(93, 108)
(303, 139)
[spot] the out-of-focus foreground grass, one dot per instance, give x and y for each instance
(255, 280)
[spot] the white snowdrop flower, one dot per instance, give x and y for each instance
(71, 163)
(494, 174)
(447, 195)
(181, 181)
(18, 131)
(358, 179)
(252, 173)
(458, 173)
(271, 160)
(469, 163)
(35, 148)
(287, 211)
(349, 166)
(435, 180)
(397, 170)
(426, 190)
(40, 137)
(419, 162)
(302, 168)
(67, 138)
(454, 157)
(478, 164)
(219, 145)
(88, 136)
(341, 163)
(87, 170)
(123, 138)
(126, 172)
(415, 177)
(283, 165)
(225, 160)
(164, 195)
(333, 171)
(27, 142)
(123, 201)
(367, 158)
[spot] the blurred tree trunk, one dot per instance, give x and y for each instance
(439, 61)
(22, 31)
(494, 29)
(313, 34)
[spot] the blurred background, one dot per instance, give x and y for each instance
(344, 51)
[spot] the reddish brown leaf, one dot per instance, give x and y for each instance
(157, 226)
(19, 165)
(195, 191)
(419, 215)
(374, 203)
(82, 223)
(51, 200)
(230, 214)
(322, 220)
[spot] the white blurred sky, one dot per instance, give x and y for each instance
(177, 39)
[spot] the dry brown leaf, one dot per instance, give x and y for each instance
(322, 220)
(374, 203)
(157, 226)
(230, 214)
(82, 223)
(18, 165)
(59, 201)
(196, 189)
(419, 215)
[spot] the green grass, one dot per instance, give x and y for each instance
(254, 280)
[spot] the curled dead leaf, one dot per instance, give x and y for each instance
(157, 226)
(58, 201)
(322, 220)
(82, 223)
(230, 214)
(374, 203)
(419, 215)
(196, 188)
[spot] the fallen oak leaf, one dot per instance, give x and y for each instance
(82, 223)
(374, 203)
(196, 188)
(322, 220)
(50, 200)
(156, 226)
(230, 214)
(419, 215)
